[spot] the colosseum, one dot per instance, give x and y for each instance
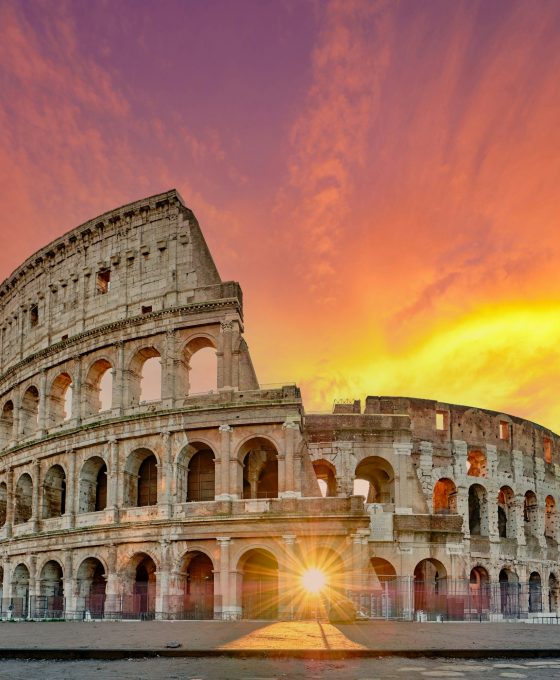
(126, 492)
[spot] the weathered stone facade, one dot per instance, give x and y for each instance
(212, 504)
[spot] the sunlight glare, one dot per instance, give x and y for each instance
(313, 580)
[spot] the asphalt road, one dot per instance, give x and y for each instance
(280, 669)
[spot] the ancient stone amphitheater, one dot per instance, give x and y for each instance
(126, 492)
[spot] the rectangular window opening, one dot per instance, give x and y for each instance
(440, 420)
(146, 309)
(34, 315)
(547, 446)
(504, 429)
(103, 282)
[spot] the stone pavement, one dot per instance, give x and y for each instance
(313, 639)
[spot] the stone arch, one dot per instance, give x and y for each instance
(60, 399)
(7, 423)
(24, 499)
(196, 585)
(553, 593)
(97, 389)
(260, 468)
(3, 503)
(93, 485)
(506, 512)
(479, 589)
(535, 592)
(145, 376)
(200, 358)
(430, 587)
(54, 492)
(550, 520)
(140, 582)
(196, 473)
(445, 497)
(509, 593)
(259, 584)
(531, 515)
(50, 603)
(478, 510)
(141, 478)
(91, 587)
(20, 591)
(477, 465)
(379, 480)
(383, 569)
(325, 472)
(29, 411)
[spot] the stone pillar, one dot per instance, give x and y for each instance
(357, 564)
(113, 604)
(235, 476)
(228, 608)
(34, 585)
(288, 488)
(518, 508)
(162, 581)
(166, 476)
(43, 402)
(223, 483)
(77, 391)
(69, 583)
(114, 482)
(10, 502)
(35, 507)
(225, 355)
(120, 391)
(402, 452)
(168, 391)
(6, 585)
(287, 579)
(72, 495)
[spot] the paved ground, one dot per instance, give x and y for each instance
(266, 638)
(280, 669)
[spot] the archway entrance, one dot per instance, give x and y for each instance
(91, 588)
(509, 593)
(260, 585)
(20, 592)
(430, 588)
(479, 591)
(50, 603)
(197, 594)
(535, 593)
(141, 600)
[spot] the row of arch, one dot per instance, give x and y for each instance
(195, 481)
(144, 384)
(445, 501)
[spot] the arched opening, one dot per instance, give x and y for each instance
(7, 424)
(197, 585)
(259, 598)
(54, 492)
(20, 592)
(535, 592)
(531, 516)
(145, 376)
(91, 588)
(506, 512)
(98, 388)
(201, 476)
(3, 503)
(430, 587)
(141, 574)
(260, 469)
(60, 400)
(93, 485)
(24, 499)
(141, 479)
(200, 356)
(445, 497)
(478, 511)
(326, 478)
(550, 521)
(509, 593)
(479, 584)
(29, 411)
(476, 464)
(380, 600)
(374, 479)
(50, 603)
(553, 593)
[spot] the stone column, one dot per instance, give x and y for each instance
(357, 564)
(71, 484)
(77, 391)
(168, 391)
(120, 392)
(402, 452)
(35, 507)
(288, 487)
(43, 402)
(162, 581)
(166, 473)
(224, 371)
(114, 498)
(69, 583)
(228, 608)
(519, 506)
(10, 502)
(113, 604)
(287, 579)
(223, 484)
(34, 585)
(6, 585)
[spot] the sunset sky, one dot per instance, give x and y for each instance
(383, 178)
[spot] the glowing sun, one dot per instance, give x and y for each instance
(313, 580)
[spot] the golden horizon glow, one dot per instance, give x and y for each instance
(314, 580)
